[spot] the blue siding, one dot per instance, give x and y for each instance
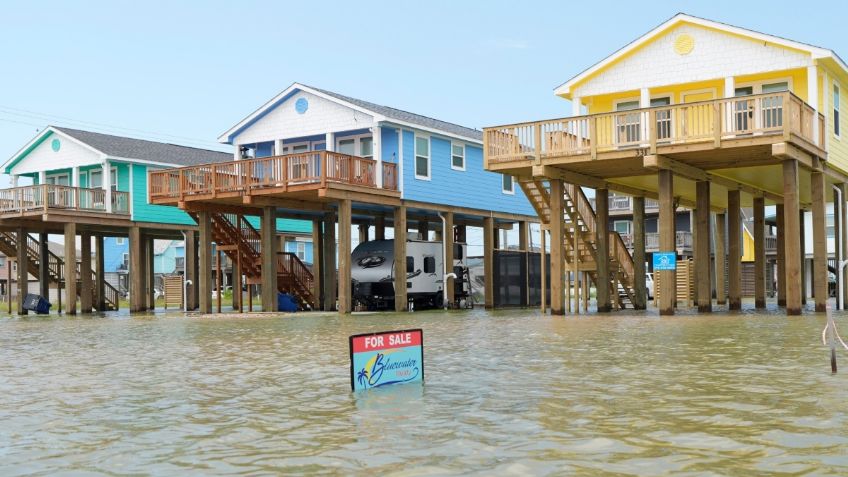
(113, 253)
(291, 246)
(474, 187)
(389, 140)
(264, 149)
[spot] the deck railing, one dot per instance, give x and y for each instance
(44, 197)
(316, 168)
(682, 241)
(717, 120)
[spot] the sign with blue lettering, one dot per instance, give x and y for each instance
(391, 357)
(665, 261)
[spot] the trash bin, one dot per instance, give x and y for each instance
(286, 302)
(37, 303)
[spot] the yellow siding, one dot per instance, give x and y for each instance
(837, 147)
(747, 246)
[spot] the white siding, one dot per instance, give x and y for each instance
(715, 55)
(321, 116)
(44, 158)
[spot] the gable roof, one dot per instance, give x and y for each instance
(815, 51)
(380, 112)
(131, 149)
(142, 149)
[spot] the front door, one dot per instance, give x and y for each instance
(698, 118)
(58, 196)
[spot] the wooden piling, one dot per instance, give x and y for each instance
(734, 251)
(602, 260)
(702, 247)
(345, 291)
(400, 231)
(817, 188)
(792, 242)
(667, 238)
(759, 252)
(557, 230)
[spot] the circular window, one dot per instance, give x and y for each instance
(56, 145)
(301, 105)
(684, 44)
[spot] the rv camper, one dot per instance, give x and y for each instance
(373, 274)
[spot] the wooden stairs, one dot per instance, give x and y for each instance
(55, 268)
(241, 242)
(581, 224)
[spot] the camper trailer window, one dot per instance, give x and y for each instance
(457, 252)
(429, 265)
(410, 265)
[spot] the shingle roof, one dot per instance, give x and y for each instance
(405, 116)
(141, 149)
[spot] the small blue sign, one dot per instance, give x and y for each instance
(665, 261)
(301, 105)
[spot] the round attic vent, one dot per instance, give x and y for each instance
(56, 144)
(684, 44)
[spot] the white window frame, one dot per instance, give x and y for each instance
(53, 176)
(125, 259)
(837, 123)
(757, 86)
(120, 240)
(629, 226)
(511, 182)
(454, 167)
(357, 143)
(300, 250)
(429, 157)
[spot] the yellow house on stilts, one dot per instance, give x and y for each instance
(700, 114)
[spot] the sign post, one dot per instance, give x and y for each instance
(391, 357)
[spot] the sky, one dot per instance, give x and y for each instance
(184, 72)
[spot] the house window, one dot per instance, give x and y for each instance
(126, 260)
(301, 250)
(366, 147)
(120, 240)
(622, 227)
(2, 261)
(458, 157)
(347, 146)
(508, 185)
(836, 110)
(422, 158)
(830, 229)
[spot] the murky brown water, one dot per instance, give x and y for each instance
(508, 393)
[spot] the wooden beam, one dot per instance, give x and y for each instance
(489, 262)
(640, 290)
(138, 299)
(734, 251)
(781, 256)
(23, 270)
(759, 252)
(557, 230)
(721, 258)
(269, 248)
(204, 279)
(400, 231)
(345, 291)
(702, 248)
(602, 260)
(317, 263)
(657, 162)
(43, 266)
(667, 278)
(329, 241)
(786, 151)
(820, 282)
(71, 268)
(86, 288)
(792, 242)
(379, 228)
(543, 259)
(569, 177)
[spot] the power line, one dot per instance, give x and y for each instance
(52, 117)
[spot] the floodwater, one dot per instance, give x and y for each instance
(507, 393)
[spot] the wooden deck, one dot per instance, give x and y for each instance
(43, 199)
(317, 175)
(709, 135)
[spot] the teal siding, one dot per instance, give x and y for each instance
(142, 210)
(285, 225)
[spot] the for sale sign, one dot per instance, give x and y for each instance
(391, 357)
